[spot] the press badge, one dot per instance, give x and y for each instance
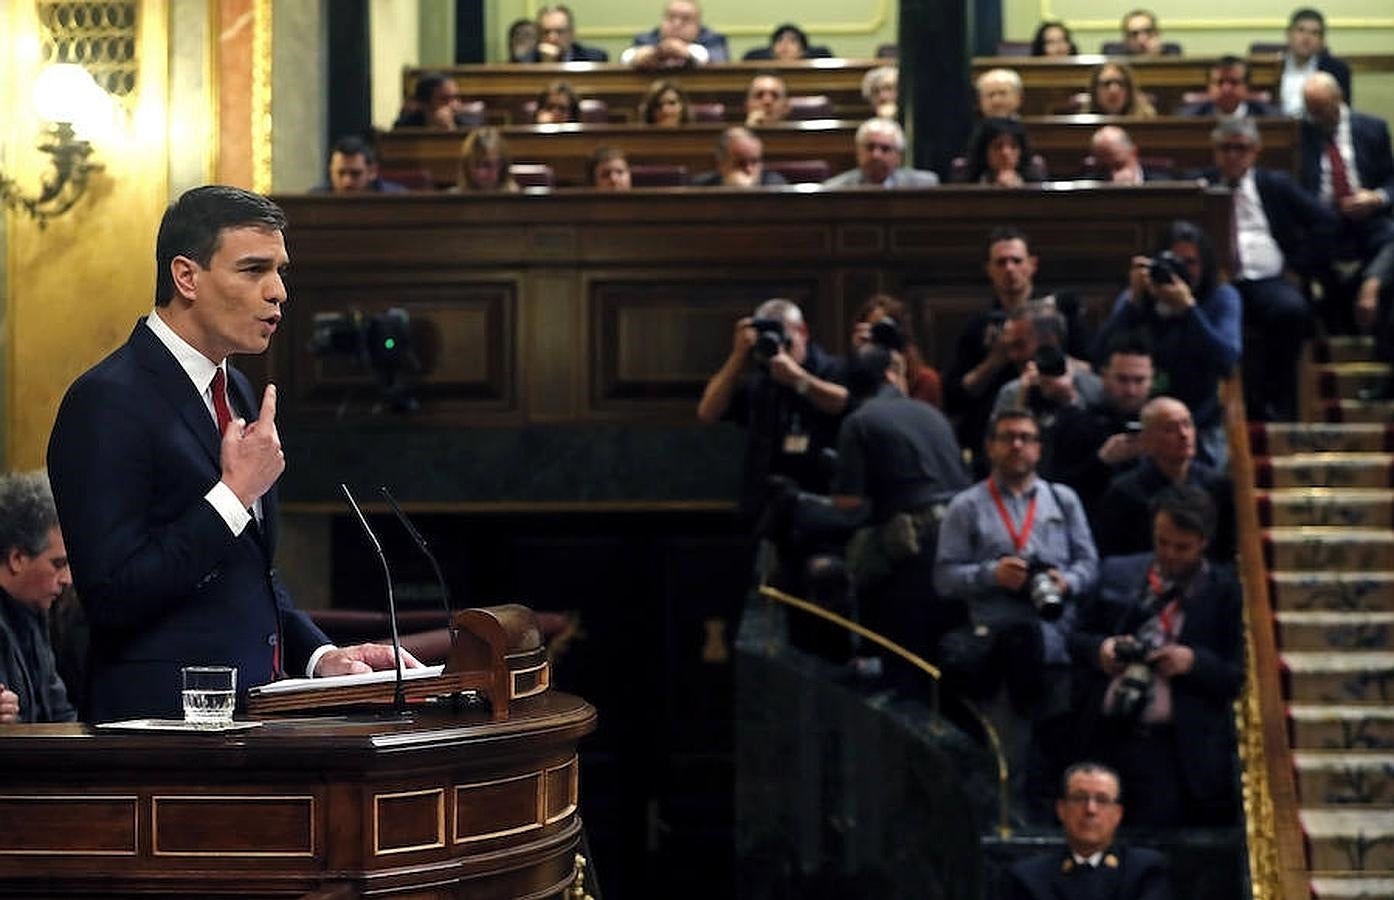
(796, 442)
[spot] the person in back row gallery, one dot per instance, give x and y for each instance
(1306, 55)
(556, 27)
(740, 163)
(766, 101)
(1227, 93)
(880, 154)
(680, 40)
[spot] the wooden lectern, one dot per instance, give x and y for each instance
(478, 803)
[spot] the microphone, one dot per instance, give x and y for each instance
(399, 700)
(435, 566)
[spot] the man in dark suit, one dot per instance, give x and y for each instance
(1306, 54)
(1278, 229)
(740, 163)
(164, 471)
(1348, 165)
(557, 28)
(680, 40)
(1092, 865)
(1228, 93)
(1159, 647)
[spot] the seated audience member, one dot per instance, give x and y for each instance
(557, 103)
(665, 105)
(34, 573)
(1161, 643)
(999, 153)
(1228, 93)
(679, 40)
(897, 456)
(353, 169)
(999, 94)
(484, 162)
(1093, 864)
(1306, 55)
(880, 151)
(609, 169)
(1093, 443)
(787, 42)
(1278, 228)
(879, 88)
(740, 163)
(1142, 35)
(1348, 165)
(522, 41)
(1192, 318)
(435, 103)
(1168, 459)
(1053, 39)
(922, 381)
(766, 101)
(557, 28)
(1116, 158)
(1114, 91)
(1015, 554)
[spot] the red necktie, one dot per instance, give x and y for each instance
(1340, 176)
(220, 408)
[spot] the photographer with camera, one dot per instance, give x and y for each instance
(1160, 650)
(1014, 553)
(787, 394)
(1192, 318)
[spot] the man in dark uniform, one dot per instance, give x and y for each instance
(1093, 865)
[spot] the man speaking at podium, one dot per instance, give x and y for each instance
(164, 468)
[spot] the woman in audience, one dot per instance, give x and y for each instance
(923, 380)
(879, 87)
(788, 42)
(1113, 91)
(557, 103)
(522, 40)
(999, 153)
(608, 169)
(484, 163)
(1053, 39)
(665, 105)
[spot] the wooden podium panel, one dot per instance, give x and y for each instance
(433, 805)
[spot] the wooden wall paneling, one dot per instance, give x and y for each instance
(554, 347)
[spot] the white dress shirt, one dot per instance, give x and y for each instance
(1290, 90)
(1259, 255)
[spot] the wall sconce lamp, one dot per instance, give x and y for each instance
(66, 97)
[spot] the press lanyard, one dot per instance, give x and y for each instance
(1168, 614)
(1022, 537)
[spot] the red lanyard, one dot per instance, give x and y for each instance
(1019, 538)
(1168, 613)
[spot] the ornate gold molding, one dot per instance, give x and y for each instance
(879, 17)
(1274, 24)
(1259, 819)
(261, 96)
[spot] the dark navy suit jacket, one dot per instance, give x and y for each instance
(577, 53)
(1302, 227)
(1141, 874)
(714, 41)
(1369, 138)
(1207, 108)
(163, 580)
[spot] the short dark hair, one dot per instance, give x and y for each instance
(1189, 508)
(867, 369)
(193, 226)
(1151, 17)
(1230, 61)
(354, 145)
(790, 28)
(1307, 14)
(1038, 40)
(1009, 414)
(1087, 766)
(1183, 231)
(27, 513)
(604, 153)
(1131, 342)
(1007, 233)
(560, 8)
(426, 84)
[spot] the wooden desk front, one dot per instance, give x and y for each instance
(567, 148)
(1064, 141)
(436, 806)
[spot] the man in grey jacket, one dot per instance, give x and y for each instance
(880, 152)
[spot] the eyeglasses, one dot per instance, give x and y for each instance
(1112, 82)
(1081, 799)
(1018, 437)
(1234, 147)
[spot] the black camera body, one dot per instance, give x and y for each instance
(885, 332)
(770, 339)
(1051, 363)
(1166, 267)
(1135, 686)
(1042, 591)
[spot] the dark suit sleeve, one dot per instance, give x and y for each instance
(1154, 883)
(1218, 669)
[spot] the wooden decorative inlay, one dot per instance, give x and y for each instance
(408, 821)
(233, 825)
(61, 825)
(562, 791)
(492, 809)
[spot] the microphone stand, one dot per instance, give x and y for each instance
(399, 699)
(435, 566)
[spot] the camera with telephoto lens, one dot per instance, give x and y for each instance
(1165, 268)
(1042, 591)
(1135, 684)
(885, 332)
(769, 339)
(1050, 363)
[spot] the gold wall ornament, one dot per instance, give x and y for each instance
(261, 96)
(1259, 818)
(67, 97)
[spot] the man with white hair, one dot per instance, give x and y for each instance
(879, 87)
(880, 152)
(999, 94)
(680, 40)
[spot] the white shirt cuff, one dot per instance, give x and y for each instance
(226, 504)
(627, 57)
(700, 55)
(315, 658)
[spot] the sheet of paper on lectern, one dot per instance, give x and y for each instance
(290, 685)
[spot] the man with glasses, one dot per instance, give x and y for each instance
(1014, 553)
(557, 28)
(1227, 93)
(1305, 56)
(1089, 808)
(680, 40)
(766, 101)
(740, 163)
(880, 152)
(1142, 36)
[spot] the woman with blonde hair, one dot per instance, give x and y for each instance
(1114, 91)
(484, 163)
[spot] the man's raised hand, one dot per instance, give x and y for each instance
(251, 454)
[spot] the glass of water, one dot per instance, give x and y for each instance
(210, 692)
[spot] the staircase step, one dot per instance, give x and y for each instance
(1362, 507)
(1332, 470)
(1340, 840)
(1335, 631)
(1281, 438)
(1346, 677)
(1351, 778)
(1352, 887)
(1376, 411)
(1341, 727)
(1332, 590)
(1306, 548)
(1352, 380)
(1345, 348)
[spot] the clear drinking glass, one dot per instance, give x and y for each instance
(210, 692)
